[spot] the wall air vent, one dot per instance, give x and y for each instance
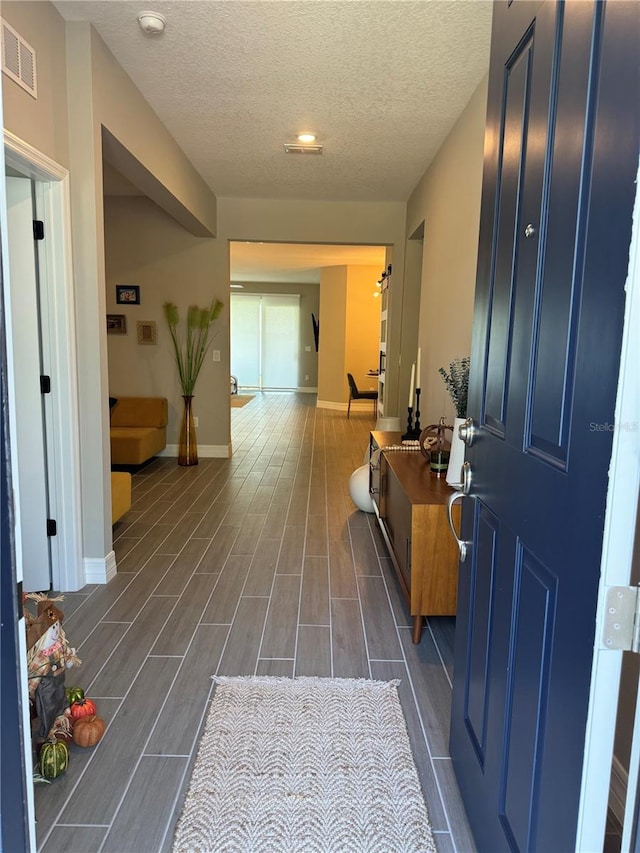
(296, 148)
(19, 60)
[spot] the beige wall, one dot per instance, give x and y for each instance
(41, 122)
(331, 351)
(447, 200)
(146, 247)
(309, 304)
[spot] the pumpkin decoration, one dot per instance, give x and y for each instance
(82, 708)
(87, 731)
(74, 694)
(54, 758)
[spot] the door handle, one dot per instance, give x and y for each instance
(463, 546)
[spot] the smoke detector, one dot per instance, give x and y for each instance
(152, 23)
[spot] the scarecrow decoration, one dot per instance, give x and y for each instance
(48, 656)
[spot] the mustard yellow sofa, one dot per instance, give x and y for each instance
(120, 494)
(138, 429)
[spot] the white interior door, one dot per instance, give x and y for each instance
(31, 484)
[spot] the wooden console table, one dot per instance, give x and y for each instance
(410, 505)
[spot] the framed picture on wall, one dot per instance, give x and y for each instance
(128, 294)
(146, 331)
(116, 324)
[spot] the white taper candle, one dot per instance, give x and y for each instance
(411, 384)
(418, 385)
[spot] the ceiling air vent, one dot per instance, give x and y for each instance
(296, 148)
(19, 60)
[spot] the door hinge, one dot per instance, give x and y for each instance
(38, 229)
(52, 527)
(622, 619)
(45, 384)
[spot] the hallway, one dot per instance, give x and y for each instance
(258, 564)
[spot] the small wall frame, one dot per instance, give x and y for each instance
(116, 324)
(128, 294)
(147, 331)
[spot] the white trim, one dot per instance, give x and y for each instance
(54, 253)
(618, 790)
(617, 554)
(301, 390)
(356, 405)
(100, 569)
(205, 451)
(19, 154)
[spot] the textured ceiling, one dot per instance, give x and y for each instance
(381, 83)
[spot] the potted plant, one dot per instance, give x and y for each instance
(189, 352)
(456, 380)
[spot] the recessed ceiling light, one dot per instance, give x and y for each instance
(306, 137)
(237, 286)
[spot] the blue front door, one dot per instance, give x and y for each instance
(561, 155)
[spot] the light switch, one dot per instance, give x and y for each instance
(307, 349)
(216, 355)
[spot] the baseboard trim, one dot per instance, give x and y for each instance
(356, 405)
(618, 789)
(100, 569)
(307, 390)
(205, 451)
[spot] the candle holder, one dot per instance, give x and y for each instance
(410, 431)
(417, 424)
(412, 434)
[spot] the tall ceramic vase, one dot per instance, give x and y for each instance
(456, 459)
(188, 451)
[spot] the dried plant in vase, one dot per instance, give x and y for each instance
(189, 352)
(457, 383)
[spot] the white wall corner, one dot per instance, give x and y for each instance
(100, 569)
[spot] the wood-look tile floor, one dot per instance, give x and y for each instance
(255, 564)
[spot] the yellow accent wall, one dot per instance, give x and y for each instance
(362, 327)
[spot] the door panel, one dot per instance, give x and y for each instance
(545, 356)
(483, 590)
(30, 440)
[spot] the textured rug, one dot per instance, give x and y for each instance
(304, 765)
(240, 400)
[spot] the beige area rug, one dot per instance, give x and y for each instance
(304, 765)
(240, 400)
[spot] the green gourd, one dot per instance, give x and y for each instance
(54, 758)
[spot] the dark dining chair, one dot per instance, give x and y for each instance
(354, 394)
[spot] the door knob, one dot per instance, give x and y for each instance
(467, 431)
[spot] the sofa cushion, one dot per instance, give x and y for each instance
(140, 412)
(120, 494)
(132, 445)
